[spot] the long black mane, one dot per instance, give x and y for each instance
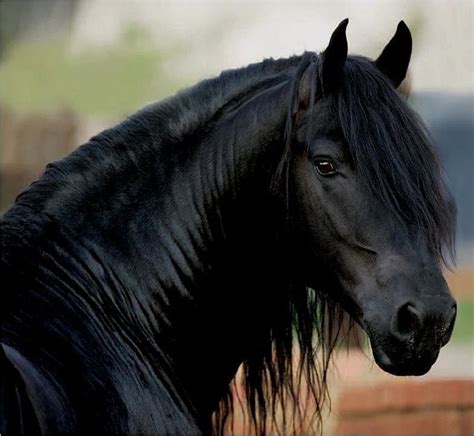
(390, 150)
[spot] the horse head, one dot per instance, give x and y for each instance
(368, 204)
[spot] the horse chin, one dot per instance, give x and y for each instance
(404, 366)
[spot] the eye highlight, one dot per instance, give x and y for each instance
(325, 167)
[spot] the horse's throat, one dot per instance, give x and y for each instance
(216, 331)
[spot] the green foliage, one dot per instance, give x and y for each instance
(44, 75)
(464, 327)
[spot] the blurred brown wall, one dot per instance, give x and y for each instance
(28, 143)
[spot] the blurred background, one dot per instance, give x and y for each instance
(71, 68)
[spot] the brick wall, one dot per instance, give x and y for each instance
(408, 408)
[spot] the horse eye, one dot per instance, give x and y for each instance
(325, 167)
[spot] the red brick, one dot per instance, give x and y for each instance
(422, 423)
(467, 422)
(407, 396)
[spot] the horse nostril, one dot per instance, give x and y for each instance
(407, 321)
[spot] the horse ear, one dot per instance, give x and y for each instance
(334, 57)
(395, 57)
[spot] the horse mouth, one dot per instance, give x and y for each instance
(405, 365)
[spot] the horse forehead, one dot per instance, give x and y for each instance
(321, 120)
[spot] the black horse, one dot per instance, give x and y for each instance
(218, 228)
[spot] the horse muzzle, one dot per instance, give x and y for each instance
(413, 337)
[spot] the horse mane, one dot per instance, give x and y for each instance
(394, 153)
(159, 125)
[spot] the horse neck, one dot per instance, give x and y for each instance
(220, 248)
(179, 255)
